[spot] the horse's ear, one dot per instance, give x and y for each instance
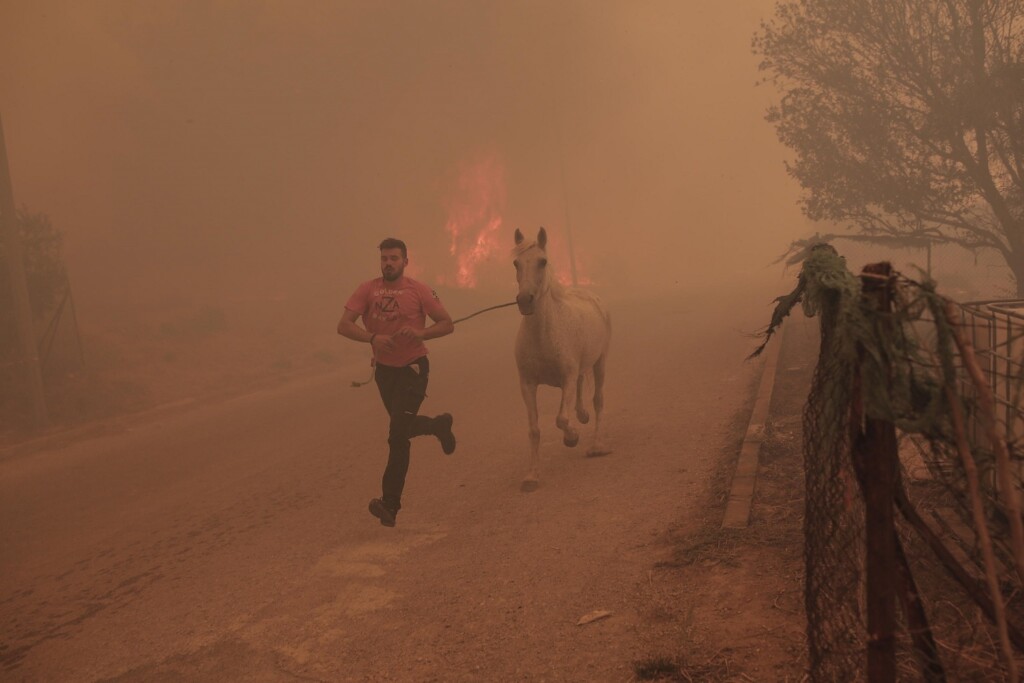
(519, 236)
(542, 238)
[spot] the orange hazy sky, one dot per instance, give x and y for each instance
(228, 146)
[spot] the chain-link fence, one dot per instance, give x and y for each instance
(914, 543)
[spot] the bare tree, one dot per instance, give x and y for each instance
(905, 116)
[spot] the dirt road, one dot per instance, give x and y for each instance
(232, 541)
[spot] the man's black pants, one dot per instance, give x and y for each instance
(402, 390)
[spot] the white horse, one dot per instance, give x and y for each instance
(563, 336)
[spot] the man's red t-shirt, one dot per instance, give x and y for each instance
(387, 307)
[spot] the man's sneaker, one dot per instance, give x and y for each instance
(443, 431)
(382, 512)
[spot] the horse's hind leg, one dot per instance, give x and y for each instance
(529, 392)
(581, 406)
(598, 447)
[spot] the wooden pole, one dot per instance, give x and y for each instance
(11, 240)
(877, 452)
(981, 530)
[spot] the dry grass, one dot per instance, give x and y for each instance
(713, 669)
(771, 642)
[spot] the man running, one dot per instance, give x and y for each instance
(394, 309)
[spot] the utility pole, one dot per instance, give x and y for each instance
(11, 241)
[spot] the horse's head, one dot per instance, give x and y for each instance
(531, 263)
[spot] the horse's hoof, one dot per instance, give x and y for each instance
(598, 451)
(583, 417)
(571, 440)
(529, 485)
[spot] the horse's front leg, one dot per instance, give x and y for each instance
(529, 391)
(570, 437)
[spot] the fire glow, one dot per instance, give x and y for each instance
(475, 223)
(558, 248)
(475, 218)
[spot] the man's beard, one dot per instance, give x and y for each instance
(393, 275)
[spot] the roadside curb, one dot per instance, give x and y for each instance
(741, 493)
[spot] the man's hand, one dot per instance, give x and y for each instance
(411, 333)
(384, 342)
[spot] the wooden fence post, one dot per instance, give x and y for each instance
(878, 456)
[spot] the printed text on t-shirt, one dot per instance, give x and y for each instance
(387, 304)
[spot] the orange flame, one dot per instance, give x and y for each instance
(475, 217)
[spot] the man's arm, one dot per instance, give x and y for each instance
(347, 327)
(442, 326)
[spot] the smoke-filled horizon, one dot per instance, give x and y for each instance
(233, 148)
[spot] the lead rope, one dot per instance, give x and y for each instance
(454, 322)
(483, 310)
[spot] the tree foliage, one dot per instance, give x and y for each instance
(45, 274)
(906, 117)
